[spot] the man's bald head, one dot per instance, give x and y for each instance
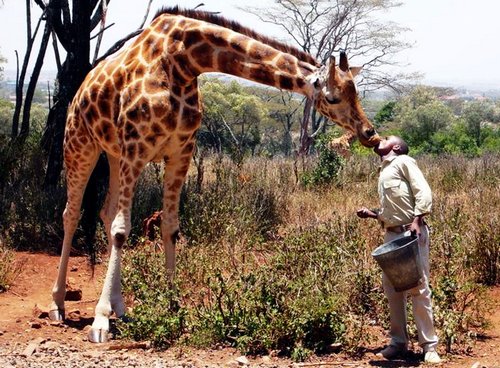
(398, 141)
(391, 145)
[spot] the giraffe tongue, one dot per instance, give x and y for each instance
(342, 144)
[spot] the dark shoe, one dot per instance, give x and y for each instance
(392, 352)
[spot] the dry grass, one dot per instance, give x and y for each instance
(312, 265)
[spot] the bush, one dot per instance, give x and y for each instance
(293, 295)
(288, 303)
(157, 315)
(30, 218)
(9, 267)
(235, 205)
(329, 163)
(268, 265)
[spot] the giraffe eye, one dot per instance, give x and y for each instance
(333, 100)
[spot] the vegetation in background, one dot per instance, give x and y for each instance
(310, 281)
(327, 166)
(432, 125)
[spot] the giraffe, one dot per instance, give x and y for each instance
(142, 105)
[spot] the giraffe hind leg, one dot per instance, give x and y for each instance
(78, 170)
(109, 208)
(175, 174)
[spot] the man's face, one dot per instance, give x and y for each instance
(385, 145)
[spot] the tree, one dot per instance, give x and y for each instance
(454, 140)
(323, 28)
(21, 75)
(231, 117)
(385, 114)
(72, 26)
(475, 114)
(420, 115)
(285, 109)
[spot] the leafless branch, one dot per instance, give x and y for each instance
(99, 12)
(56, 50)
(21, 75)
(146, 15)
(230, 130)
(119, 44)
(103, 12)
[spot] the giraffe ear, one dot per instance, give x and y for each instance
(355, 70)
(316, 82)
(344, 64)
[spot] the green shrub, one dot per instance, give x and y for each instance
(157, 315)
(294, 301)
(328, 166)
(302, 289)
(30, 218)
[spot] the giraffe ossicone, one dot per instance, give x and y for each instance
(142, 105)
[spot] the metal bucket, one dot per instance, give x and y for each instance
(400, 260)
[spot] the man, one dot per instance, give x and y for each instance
(405, 199)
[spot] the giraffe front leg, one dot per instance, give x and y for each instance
(77, 175)
(175, 174)
(70, 220)
(111, 299)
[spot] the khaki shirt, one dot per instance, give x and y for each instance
(404, 192)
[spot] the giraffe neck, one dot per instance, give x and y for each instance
(195, 47)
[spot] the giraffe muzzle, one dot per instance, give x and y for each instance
(369, 137)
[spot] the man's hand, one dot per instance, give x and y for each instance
(416, 224)
(364, 212)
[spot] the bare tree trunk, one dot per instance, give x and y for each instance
(305, 139)
(22, 75)
(71, 75)
(19, 101)
(30, 92)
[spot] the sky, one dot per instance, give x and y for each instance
(455, 42)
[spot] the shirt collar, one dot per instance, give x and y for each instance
(387, 161)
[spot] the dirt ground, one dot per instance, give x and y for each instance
(29, 339)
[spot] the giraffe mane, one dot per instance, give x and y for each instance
(237, 27)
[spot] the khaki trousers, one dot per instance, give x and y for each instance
(421, 302)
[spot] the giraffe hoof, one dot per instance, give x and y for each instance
(56, 315)
(98, 336)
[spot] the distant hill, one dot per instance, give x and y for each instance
(45, 75)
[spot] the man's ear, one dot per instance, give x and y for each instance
(396, 148)
(355, 70)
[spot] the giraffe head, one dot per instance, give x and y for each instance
(337, 99)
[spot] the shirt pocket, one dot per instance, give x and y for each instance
(392, 188)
